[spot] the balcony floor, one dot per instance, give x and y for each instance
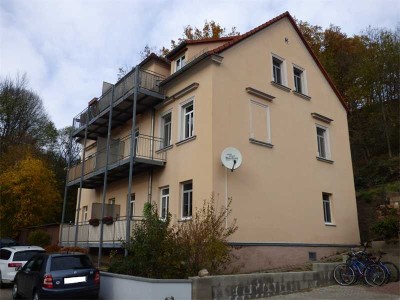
(116, 171)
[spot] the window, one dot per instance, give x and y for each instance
(84, 214)
(323, 142)
(180, 63)
(259, 122)
(25, 255)
(166, 129)
(187, 200)
(132, 205)
(111, 202)
(298, 80)
(277, 65)
(164, 203)
(5, 254)
(187, 120)
(326, 201)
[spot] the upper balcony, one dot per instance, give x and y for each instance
(97, 114)
(146, 156)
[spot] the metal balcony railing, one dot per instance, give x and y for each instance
(89, 235)
(147, 80)
(146, 147)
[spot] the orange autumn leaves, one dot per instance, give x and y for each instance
(28, 196)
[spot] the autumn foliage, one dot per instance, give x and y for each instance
(28, 196)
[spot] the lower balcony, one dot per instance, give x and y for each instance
(146, 157)
(89, 235)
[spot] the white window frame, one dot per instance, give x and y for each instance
(162, 129)
(164, 199)
(326, 142)
(303, 80)
(190, 204)
(132, 205)
(180, 62)
(268, 121)
(328, 218)
(284, 81)
(85, 214)
(181, 127)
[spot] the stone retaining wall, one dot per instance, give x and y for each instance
(261, 285)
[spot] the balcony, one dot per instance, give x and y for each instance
(96, 115)
(118, 161)
(89, 236)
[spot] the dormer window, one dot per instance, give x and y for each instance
(180, 63)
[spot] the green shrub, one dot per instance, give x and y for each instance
(39, 238)
(386, 228)
(159, 250)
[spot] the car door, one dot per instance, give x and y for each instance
(22, 276)
(33, 276)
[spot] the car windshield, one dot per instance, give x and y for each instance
(70, 262)
(25, 255)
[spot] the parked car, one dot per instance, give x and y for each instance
(7, 242)
(13, 257)
(57, 276)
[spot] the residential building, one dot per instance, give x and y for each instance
(264, 93)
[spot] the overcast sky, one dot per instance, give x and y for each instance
(69, 47)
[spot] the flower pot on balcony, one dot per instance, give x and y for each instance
(108, 220)
(94, 222)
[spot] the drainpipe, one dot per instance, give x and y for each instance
(131, 157)
(66, 182)
(81, 181)
(105, 176)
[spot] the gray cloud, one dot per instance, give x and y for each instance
(69, 47)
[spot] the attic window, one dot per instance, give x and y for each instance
(180, 63)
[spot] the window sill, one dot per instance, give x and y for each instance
(260, 143)
(304, 96)
(280, 86)
(185, 220)
(325, 160)
(186, 140)
(330, 224)
(164, 149)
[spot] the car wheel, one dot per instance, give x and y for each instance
(35, 296)
(14, 291)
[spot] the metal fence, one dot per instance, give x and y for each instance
(147, 80)
(146, 147)
(89, 235)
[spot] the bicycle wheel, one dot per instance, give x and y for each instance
(344, 274)
(393, 271)
(374, 274)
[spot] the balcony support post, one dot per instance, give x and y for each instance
(131, 158)
(81, 185)
(105, 177)
(69, 153)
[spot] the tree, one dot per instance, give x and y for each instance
(29, 196)
(23, 120)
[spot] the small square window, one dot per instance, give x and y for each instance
(180, 63)
(298, 80)
(277, 70)
(166, 129)
(323, 142)
(326, 202)
(187, 126)
(312, 256)
(187, 200)
(164, 205)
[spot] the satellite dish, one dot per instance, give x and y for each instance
(231, 158)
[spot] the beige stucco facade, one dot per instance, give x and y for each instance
(277, 192)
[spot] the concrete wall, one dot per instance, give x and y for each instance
(261, 285)
(115, 286)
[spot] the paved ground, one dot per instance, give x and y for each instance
(334, 292)
(337, 292)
